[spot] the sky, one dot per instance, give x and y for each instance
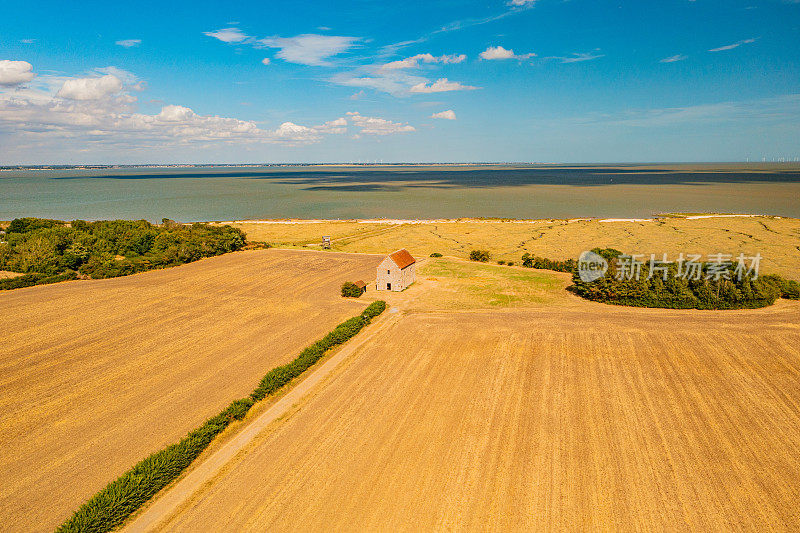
(557, 81)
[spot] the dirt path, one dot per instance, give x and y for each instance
(172, 499)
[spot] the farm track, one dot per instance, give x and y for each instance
(582, 417)
(95, 375)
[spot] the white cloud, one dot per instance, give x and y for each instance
(99, 109)
(265, 61)
(90, 88)
(413, 61)
(393, 81)
(228, 35)
(673, 59)
(126, 77)
(337, 126)
(129, 43)
(440, 85)
(734, 45)
(309, 49)
(378, 126)
(577, 57)
(306, 49)
(447, 115)
(498, 52)
(521, 2)
(15, 72)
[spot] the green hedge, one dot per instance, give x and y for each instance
(119, 499)
(29, 280)
(531, 261)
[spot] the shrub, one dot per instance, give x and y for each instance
(480, 255)
(510, 263)
(436, 254)
(501, 262)
(351, 290)
(531, 261)
(119, 499)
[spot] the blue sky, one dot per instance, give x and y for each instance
(543, 80)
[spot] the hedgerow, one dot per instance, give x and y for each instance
(531, 261)
(119, 499)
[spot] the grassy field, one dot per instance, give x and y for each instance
(95, 375)
(553, 415)
(776, 239)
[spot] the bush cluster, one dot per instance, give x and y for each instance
(480, 255)
(677, 292)
(119, 499)
(531, 261)
(107, 248)
(436, 254)
(351, 290)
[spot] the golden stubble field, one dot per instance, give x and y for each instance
(95, 375)
(561, 414)
(776, 239)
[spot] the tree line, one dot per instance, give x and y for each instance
(46, 251)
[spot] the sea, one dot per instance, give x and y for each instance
(227, 193)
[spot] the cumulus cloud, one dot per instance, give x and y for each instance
(129, 43)
(737, 44)
(90, 88)
(265, 61)
(521, 2)
(413, 61)
(333, 126)
(14, 73)
(378, 126)
(673, 59)
(439, 86)
(309, 49)
(99, 109)
(447, 115)
(228, 35)
(498, 52)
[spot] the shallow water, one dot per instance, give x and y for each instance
(338, 192)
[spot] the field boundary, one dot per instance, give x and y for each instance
(110, 507)
(182, 491)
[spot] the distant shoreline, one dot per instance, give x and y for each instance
(289, 221)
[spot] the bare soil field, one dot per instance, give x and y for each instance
(776, 239)
(95, 375)
(562, 415)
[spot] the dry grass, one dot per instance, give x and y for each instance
(776, 239)
(561, 415)
(95, 375)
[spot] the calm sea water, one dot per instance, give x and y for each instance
(226, 193)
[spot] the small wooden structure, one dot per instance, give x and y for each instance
(361, 285)
(326, 242)
(396, 272)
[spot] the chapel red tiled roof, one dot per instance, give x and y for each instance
(402, 258)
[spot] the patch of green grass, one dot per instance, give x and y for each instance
(470, 285)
